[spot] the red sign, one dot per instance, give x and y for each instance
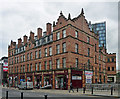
(5, 66)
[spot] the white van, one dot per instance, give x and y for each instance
(26, 85)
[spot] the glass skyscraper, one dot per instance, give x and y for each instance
(99, 28)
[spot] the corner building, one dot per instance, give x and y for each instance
(58, 56)
(111, 67)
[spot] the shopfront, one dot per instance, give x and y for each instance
(61, 79)
(15, 81)
(76, 78)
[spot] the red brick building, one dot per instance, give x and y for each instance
(59, 55)
(111, 67)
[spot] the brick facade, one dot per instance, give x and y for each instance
(76, 43)
(111, 67)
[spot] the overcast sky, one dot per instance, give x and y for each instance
(19, 18)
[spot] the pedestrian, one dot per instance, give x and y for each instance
(38, 86)
(71, 87)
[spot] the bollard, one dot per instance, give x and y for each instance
(45, 96)
(21, 95)
(92, 91)
(6, 94)
(77, 89)
(83, 89)
(111, 90)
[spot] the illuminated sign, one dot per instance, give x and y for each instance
(76, 78)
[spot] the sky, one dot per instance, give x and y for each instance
(18, 18)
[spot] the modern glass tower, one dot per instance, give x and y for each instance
(100, 28)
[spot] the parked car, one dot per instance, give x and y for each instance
(26, 85)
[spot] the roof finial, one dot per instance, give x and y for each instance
(69, 16)
(53, 23)
(61, 13)
(82, 12)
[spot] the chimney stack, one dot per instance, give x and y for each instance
(49, 28)
(25, 39)
(31, 35)
(19, 42)
(39, 33)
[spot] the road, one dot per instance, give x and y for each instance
(52, 94)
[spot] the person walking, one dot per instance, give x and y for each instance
(71, 87)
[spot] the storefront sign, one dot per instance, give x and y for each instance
(59, 71)
(76, 78)
(88, 73)
(89, 79)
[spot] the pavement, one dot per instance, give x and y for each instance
(62, 93)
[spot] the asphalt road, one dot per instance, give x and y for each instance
(31, 94)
